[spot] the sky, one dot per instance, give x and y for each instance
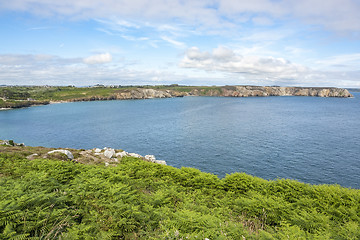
(310, 43)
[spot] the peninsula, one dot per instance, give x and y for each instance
(25, 96)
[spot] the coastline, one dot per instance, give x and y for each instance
(51, 95)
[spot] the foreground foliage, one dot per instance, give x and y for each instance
(52, 199)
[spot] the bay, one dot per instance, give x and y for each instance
(310, 139)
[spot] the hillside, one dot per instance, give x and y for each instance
(91, 196)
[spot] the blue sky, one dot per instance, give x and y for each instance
(189, 42)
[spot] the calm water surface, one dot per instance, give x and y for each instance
(313, 140)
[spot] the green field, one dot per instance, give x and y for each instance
(133, 199)
(22, 96)
(53, 93)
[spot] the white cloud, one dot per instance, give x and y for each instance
(263, 21)
(226, 60)
(98, 59)
(336, 15)
(268, 36)
(175, 43)
(265, 70)
(344, 61)
(37, 59)
(224, 65)
(54, 70)
(130, 38)
(150, 34)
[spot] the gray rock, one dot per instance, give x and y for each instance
(134, 155)
(5, 142)
(32, 156)
(66, 152)
(97, 150)
(160, 162)
(150, 158)
(109, 152)
(121, 154)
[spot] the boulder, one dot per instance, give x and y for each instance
(7, 142)
(134, 155)
(160, 162)
(150, 158)
(32, 156)
(109, 152)
(121, 154)
(97, 150)
(66, 152)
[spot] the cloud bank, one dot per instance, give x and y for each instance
(264, 70)
(17, 69)
(98, 59)
(258, 34)
(226, 60)
(36, 69)
(336, 15)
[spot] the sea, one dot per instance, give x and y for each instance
(310, 139)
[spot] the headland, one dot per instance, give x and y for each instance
(25, 96)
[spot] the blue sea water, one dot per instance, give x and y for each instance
(310, 139)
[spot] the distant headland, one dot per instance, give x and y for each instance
(25, 96)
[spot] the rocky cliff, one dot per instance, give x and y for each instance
(226, 91)
(256, 91)
(72, 94)
(138, 93)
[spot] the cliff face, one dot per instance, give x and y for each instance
(226, 91)
(138, 93)
(71, 94)
(252, 91)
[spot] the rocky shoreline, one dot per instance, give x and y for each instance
(106, 156)
(183, 91)
(258, 91)
(226, 91)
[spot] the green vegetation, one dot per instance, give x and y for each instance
(22, 96)
(53, 93)
(134, 199)
(203, 90)
(20, 104)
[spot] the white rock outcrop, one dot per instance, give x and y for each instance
(109, 152)
(66, 152)
(160, 162)
(134, 155)
(121, 154)
(32, 156)
(150, 158)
